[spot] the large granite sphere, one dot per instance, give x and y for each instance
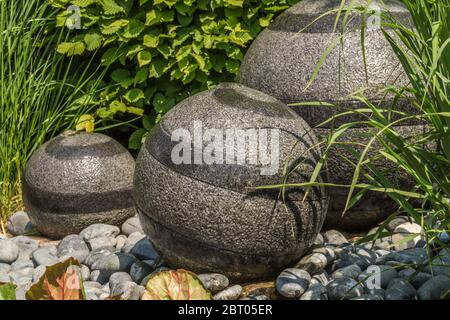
(78, 179)
(281, 61)
(206, 216)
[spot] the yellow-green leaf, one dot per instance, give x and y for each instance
(86, 123)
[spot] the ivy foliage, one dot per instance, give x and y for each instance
(159, 52)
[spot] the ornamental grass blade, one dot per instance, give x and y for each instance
(59, 282)
(7, 291)
(175, 285)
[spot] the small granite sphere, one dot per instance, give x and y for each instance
(78, 179)
(194, 186)
(281, 62)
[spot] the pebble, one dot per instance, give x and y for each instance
(402, 236)
(127, 291)
(95, 256)
(334, 237)
(367, 297)
(319, 240)
(417, 279)
(85, 272)
(26, 246)
(22, 264)
(102, 243)
(351, 271)
(377, 276)
(231, 293)
(19, 224)
(415, 256)
(344, 289)
(434, 288)
(292, 282)
(312, 263)
(99, 276)
(117, 278)
(46, 256)
(73, 246)
(5, 268)
(4, 277)
(316, 291)
(92, 284)
(214, 282)
(99, 230)
(120, 242)
(9, 251)
(116, 262)
(38, 273)
(400, 289)
(394, 223)
(321, 277)
(139, 270)
(440, 265)
(141, 249)
(22, 276)
(132, 225)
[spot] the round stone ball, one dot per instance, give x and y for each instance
(281, 62)
(199, 204)
(78, 179)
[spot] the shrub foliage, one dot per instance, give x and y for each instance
(158, 52)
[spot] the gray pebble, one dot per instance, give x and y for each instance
(316, 291)
(127, 291)
(116, 262)
(73, 246)
(139, 270)
(117, 278)
(334, 237)
(394, 223)
(351, 271)
(102, 243)
(367, 297)
(410, 256)
(99, 276)
(214, 282)
(85, 272)
(95, 256)
(92, 293)
(46, 256)
(141, 249)
(435, 288)
(38, 273)
(19, 224)
(312, 263)
(230, 293)
(344, 289)
(132, 225)
(5, 268)
(120, 242)
(292, 283)
(417, 279)
(319, 240)
(321, 277)
(92, 284)
(99, 230)
(400, 289)
(22, 264)
(22, 276)
(26, 246)
(9, 251)
(4, 277)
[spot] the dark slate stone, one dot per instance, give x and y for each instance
(76, 180)
(205, 218)
(281, 61)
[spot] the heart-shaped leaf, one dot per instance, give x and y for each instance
(60, 282)
(175, 285)
(7, 291)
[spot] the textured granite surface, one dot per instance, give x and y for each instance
(282, 59)
(75, 180)
(204, 217)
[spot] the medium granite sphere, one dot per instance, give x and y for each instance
(78, 179)
(197, 201)
(281, 62)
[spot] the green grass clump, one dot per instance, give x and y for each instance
(38, 90)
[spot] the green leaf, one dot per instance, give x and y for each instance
(175, 285)
(114, 26)
(151, 40)
(59, 282)
(157, 68)
(232, 66)
(71, 48)
(85, 123)
(111, 55)
(117, 106)
(120, 75)
(134, 29)
(7, 291)
(110, 7)
(136, 111)
(136, 139)
(134, 95)
(93, 41)
(162, 103)
(144, 58)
